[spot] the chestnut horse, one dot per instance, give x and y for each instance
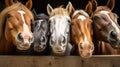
(59, 29)
(106, 29)
(15, 28)
(81, 32)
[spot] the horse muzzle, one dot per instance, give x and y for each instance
(24, 41)
(23, 46)
(39, 47)
(85, 51)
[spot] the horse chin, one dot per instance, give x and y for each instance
(114, 44)
(38, 49)
(60, 53)
(22, 47)
(85, 53)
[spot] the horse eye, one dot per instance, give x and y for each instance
(63, 39)
(69, 21)
(35, 24)
(118, 20)
(8, 15)
(96, 18)
(105, 19)
(32, 27)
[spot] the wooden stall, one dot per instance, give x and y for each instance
(62, 61)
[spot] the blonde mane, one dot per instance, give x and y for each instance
(59, 11)
(16, 6)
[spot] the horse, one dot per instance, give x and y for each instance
(81, 32)
(106, 30)
(15, 28)
(59, 19)
(41, 33)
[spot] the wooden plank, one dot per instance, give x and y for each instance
(60, 61)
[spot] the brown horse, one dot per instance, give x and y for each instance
(15, 28)
(81, 32)
(106, 29)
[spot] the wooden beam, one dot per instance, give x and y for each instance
(62, 61)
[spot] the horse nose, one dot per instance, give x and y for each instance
(31, 39)
(91, 47)
(25, 38)
(113, 35)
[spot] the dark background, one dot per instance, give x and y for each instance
(40, 5)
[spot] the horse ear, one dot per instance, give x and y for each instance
(88, 8)
(34, 12)
(70, 8)
(49, 9)
(29, 4)
(111, 4)
(8, 3)
(94, 5)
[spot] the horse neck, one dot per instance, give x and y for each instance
(97, 44)
(5, 46)
(104, 48)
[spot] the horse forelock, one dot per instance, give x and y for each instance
(81, 12)
(41, 16)
(16, 6)
(101, 8)
(59, 11)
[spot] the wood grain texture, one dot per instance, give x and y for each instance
(63, 61)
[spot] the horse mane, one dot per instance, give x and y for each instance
(3, 14)
(41, 16)
(59, 11)
(81, 12)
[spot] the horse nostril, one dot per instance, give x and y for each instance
(63, 40)
(92, 47)
(80, 46)
(43, 45)
(42, 39)
(88, 54)
(31, 39)
(52, 41)
(113, 35)
(19, 37)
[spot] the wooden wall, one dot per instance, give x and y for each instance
(55, 61)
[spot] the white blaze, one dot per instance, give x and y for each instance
(39, 23)
(113, 23)
(26, 33)
(82, 17)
